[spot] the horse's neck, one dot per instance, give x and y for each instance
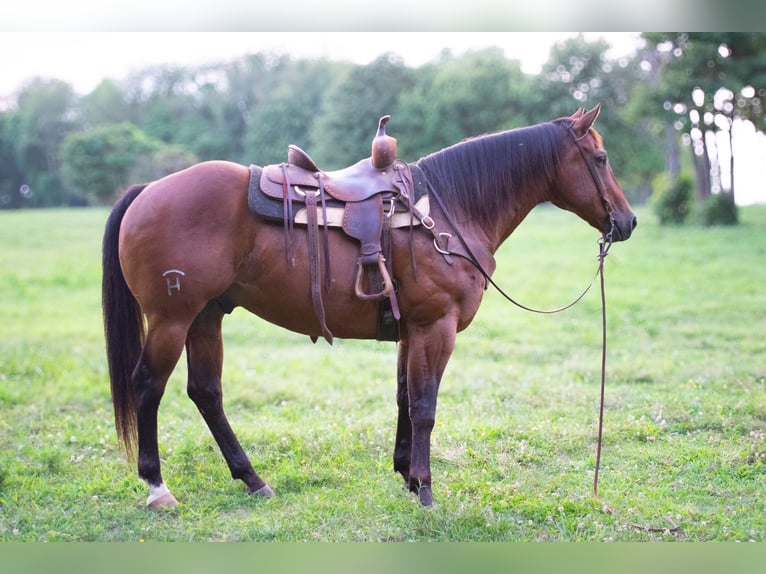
(521, 203)
(509, 224)
(483, 200)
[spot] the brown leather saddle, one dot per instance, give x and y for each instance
(365, 200)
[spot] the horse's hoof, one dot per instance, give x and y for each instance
(265, 492)
(165, 501)
(426, 498)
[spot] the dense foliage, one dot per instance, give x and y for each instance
(672, 203)
(660, 106)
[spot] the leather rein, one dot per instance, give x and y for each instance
(605, 242)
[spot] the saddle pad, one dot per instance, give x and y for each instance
(266, 206)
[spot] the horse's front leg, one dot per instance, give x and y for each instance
(403, 444)
(430, 347)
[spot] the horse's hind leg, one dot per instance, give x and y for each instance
(204, 351)
(163, 346)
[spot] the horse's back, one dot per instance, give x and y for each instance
(181, 195)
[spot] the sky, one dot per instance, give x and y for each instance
(84, 58)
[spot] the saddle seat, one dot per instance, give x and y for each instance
(352, 184)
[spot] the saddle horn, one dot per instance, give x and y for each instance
(383, 146)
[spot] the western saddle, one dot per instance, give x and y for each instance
(365, 200)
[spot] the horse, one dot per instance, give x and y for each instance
(181, 252)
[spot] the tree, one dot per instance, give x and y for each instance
(164, 99)
(182, 106)
(639, 147)
(99, 162)
(45, 117)
(461, 97)
(342, 133)
(106, 104)
(579, 73)
(246, 84)
(286, 113)
(709, 80)
(164, 159)
(11, 178)
(574, 75)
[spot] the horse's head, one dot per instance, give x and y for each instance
(587, 185)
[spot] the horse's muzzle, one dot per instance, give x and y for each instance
(623, 226)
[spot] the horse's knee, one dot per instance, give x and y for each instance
(423, 414)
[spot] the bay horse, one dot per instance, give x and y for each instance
(182, 251)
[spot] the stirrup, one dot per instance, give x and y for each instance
(388, 286)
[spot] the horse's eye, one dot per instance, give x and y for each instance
(600, 159)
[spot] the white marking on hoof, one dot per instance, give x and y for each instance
(160, 497)
(265, 491)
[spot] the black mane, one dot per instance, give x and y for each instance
(476, 177)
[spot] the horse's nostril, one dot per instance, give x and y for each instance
(635, 222)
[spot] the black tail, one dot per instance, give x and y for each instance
(123, 325)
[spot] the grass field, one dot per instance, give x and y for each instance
(514, 444)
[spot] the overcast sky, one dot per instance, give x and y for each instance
(84, 59)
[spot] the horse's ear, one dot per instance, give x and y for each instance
(577, 114)
(584, 120)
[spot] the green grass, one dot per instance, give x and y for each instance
(514, 444)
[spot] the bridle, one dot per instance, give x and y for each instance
(608, 236)
(605, 243)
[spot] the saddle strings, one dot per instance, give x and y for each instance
(287, 206)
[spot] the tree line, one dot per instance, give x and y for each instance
(660, 108)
